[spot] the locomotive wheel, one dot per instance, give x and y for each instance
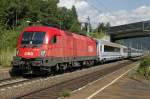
(54, 70)
(82, 65)
(15, 71)
(62, 68)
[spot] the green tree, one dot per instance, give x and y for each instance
(12, 11)
(49, 12)
(73, 21)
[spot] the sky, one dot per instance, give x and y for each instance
(116, 12)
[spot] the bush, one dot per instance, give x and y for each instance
(8, 42)
(6, 57)
(145, 61)
(144, 67)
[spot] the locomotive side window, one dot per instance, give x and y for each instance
(54, 40)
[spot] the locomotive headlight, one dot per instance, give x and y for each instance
(17, 52)
(43, 53)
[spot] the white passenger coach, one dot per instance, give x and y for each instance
(108, 51)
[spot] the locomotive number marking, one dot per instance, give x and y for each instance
(28, 53)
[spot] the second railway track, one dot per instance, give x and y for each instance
(10, 81)
(14, 81)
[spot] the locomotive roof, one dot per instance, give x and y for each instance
(62, 32)
(44, 28)
(78, 36)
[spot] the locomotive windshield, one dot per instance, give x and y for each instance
(33, 37)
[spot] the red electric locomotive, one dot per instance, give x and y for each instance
(44, 50)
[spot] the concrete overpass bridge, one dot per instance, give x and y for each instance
(136, 35)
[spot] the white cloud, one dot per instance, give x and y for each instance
(69, 3)
(83, 9)
(124, 17)
(119, 17)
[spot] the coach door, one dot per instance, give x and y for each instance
(129, 52)
(97, 48)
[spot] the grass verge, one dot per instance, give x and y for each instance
(65, 93)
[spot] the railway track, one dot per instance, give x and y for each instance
(12, 81)
(56, 91)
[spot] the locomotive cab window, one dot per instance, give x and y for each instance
(53, 40)
(33, 38)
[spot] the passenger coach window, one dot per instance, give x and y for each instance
(111, 49)
(54, 40)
